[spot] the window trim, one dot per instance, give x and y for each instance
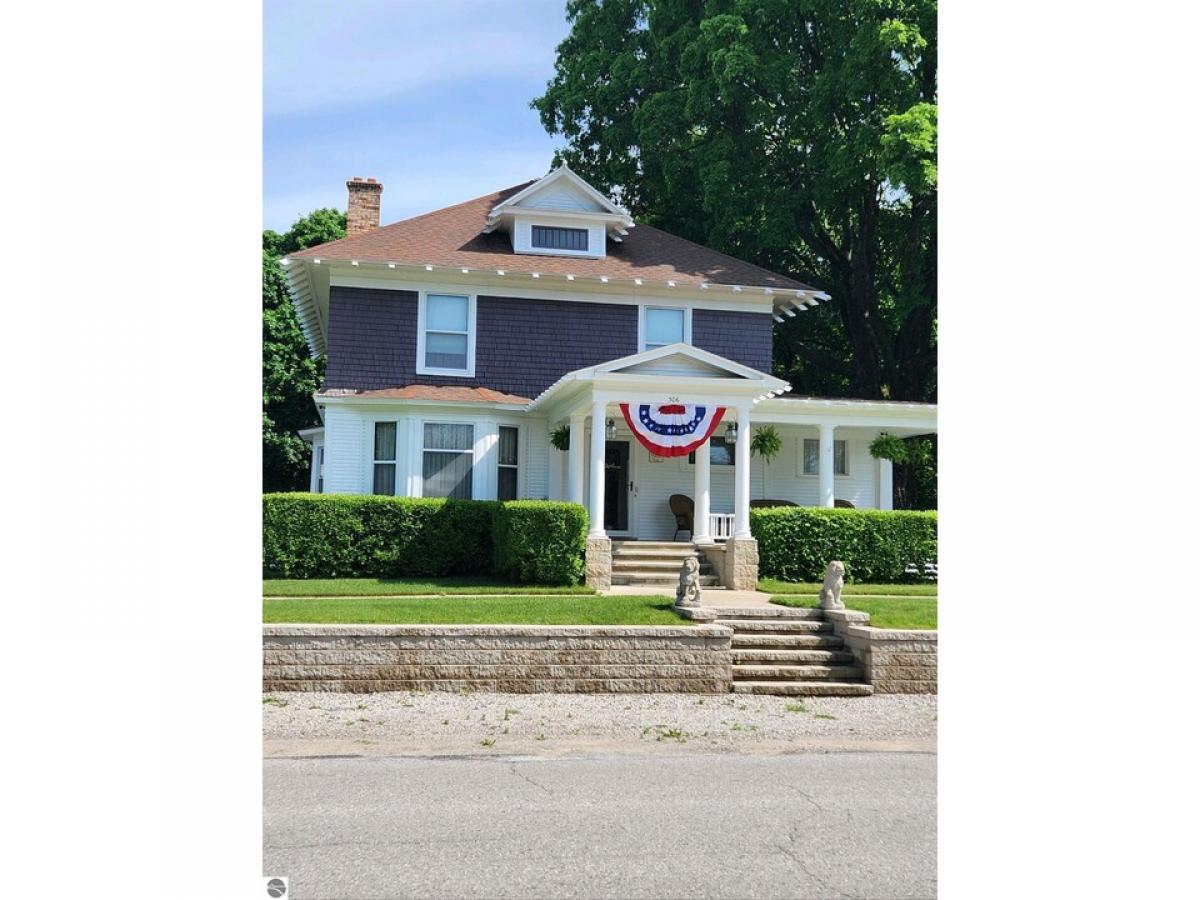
(447, 420)
(687, 323)
(422, 302)
(515, 466)
(587, 238)
(836, 474)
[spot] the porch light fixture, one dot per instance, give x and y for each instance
(731, 433)
(610, 429)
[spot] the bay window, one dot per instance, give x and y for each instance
(385, 458)
(507, 466)
(448, 457)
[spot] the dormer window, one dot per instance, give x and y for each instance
(547, 238)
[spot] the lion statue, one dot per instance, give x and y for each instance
(688, 592)
(831, 591)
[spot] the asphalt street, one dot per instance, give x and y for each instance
(814, 824)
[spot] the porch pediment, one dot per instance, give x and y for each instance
(676, 370)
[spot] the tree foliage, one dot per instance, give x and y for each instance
(290, 374)
(798, 134)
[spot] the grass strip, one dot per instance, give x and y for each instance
(775, 586)
(910, 613)
(507, 610)
(400, 587)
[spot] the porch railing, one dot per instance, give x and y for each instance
(720, 526)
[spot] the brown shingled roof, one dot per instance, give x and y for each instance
(454, 237)
(430, 392)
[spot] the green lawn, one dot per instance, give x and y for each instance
(524, 610)
(774, 586)
(399, 587)
(918, 613)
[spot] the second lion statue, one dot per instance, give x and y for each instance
(831, 590)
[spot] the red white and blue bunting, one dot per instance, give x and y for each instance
(671, 429)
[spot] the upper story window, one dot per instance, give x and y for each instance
(812, 457)
(446, 335)
(663, 325)
(545, 237)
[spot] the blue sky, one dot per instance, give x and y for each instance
(431, 98)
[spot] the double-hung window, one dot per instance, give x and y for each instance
(385, 458)
(664, 325)
(812, 457)
(446, 339)
(507, 466)
(448, 458)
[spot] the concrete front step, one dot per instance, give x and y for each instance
(804, 688)
(797, 673)
(792, 657)
(774, 626)
(786, 641)
(656, 579)
(768, 612)
(665, 565)
(673, 547)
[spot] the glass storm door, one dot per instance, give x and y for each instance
(616, 485)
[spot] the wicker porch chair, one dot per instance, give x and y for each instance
(684, 510)
(842, 504)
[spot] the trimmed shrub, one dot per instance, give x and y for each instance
(358, 536)
(796, 543)
(541, 541)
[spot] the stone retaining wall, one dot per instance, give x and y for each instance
(511, 658)
(894, 661)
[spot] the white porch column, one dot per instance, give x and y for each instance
(575, 460)
(885, 484)
(825, 466)
(700, 533)
(741, 494)
(596, 500)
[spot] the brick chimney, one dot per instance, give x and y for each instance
(362, 209)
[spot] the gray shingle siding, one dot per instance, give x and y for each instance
(522, 346)
(744, 337)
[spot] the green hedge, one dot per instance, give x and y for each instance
(358, 536)
(796, 543)
(542, 542)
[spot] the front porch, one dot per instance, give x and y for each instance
(628, 490)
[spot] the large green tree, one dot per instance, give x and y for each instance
(798, 134)
(290, 374)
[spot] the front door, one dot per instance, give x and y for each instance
(617, 486)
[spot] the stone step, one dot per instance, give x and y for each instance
(797, 673)
(656, 579)
(804, 688)
(671, 565)
(775, 626)
(786, 641)
(768, 612)
(688, 549)
(792, 657)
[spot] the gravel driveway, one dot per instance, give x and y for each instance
(552, 724)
